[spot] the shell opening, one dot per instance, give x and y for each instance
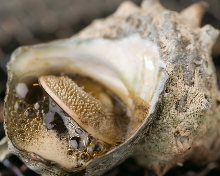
(125, 76)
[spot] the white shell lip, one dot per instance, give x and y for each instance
(130, 64)
(124, 62)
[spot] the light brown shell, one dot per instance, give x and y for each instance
(184, 124)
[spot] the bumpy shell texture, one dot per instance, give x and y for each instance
(183, 120)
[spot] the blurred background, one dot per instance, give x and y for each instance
(26, 22)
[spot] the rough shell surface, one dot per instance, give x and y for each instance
(185, 123)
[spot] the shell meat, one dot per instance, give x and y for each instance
(139, 83)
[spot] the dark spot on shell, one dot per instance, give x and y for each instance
(84, 156)
(53, 121)
(181, 104)
(98, 147)
(92, 140)
(69, 152)
(34, 94)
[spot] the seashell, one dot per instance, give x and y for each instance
(139, 83)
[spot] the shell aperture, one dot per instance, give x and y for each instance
(125, 95)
